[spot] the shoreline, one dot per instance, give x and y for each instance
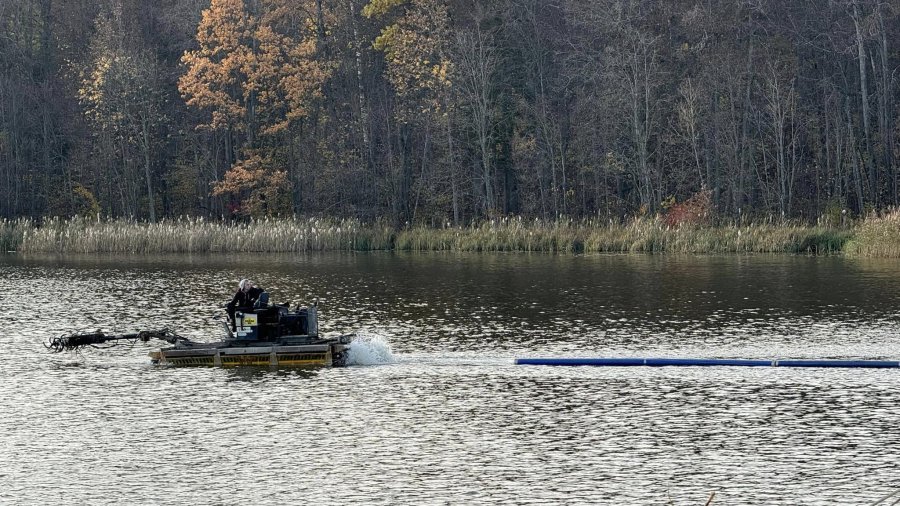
(872, 237)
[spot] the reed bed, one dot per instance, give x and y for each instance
(650, 236)
(12, 232)
(877, 236)
(644, 235)
(512, 234)
(196, 235)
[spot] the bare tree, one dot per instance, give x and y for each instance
(476, 60)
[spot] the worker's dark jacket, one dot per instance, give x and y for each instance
(244, 300)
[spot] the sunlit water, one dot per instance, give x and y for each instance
(433, 411)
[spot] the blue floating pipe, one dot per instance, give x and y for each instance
(872, 364)
(693, 362)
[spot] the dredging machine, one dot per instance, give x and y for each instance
(273, 335)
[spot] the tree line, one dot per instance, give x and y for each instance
(444, 112)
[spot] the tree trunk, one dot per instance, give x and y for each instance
(887, 127)
(853, 153)
(320, 24)
(864, 98)
(453, 190)
(151, 203)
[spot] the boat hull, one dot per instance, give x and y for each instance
(307, 355)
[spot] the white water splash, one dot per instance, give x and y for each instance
(370, 349)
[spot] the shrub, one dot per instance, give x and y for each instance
(696, 210)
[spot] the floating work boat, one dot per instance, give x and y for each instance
(269, 336)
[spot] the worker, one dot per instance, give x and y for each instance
(246, 297)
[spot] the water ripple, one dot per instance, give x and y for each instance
(432, 411)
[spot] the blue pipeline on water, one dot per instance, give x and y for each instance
(694, 362)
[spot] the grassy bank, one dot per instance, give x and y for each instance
(638, 236)
(877, 236)
(872, 237)
(189, 235)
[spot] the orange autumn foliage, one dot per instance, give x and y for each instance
(255, 72)
(262, 191)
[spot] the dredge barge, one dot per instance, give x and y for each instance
(272, 336)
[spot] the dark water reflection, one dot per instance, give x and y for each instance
(450, 420)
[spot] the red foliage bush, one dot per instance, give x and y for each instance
(696, 210)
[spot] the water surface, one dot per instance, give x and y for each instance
(433, 411)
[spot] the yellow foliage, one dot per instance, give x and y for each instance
(85, 202)
(416, 51)
(386, 40)
(377, 8)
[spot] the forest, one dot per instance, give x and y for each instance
(448, 112)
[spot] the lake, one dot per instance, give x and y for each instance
(432, 409)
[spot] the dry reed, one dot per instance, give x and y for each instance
(642, 235)
(877, 236)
